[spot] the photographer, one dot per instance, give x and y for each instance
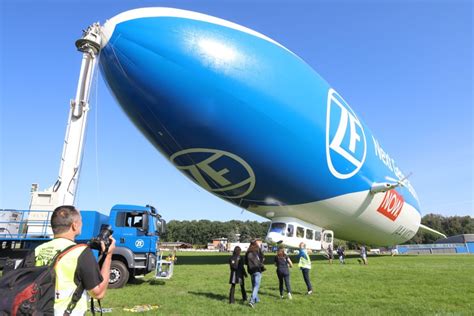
(78, 268)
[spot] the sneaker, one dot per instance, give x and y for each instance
(251, 304)
(281, 296)
(310, 292)
(290, 297)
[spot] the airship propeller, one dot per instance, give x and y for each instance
(380, 187)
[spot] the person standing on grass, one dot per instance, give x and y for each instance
(341, 254)
(330, 253)
(363, 253)
(305, 265)
(282, 261)
(254, 260)
(78, 274)
(237, 275)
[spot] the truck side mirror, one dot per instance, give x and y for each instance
(163, 226)
(145, 223)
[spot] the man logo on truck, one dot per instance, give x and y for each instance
(139, 243)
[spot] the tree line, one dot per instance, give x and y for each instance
(450, 226)
(201, 232)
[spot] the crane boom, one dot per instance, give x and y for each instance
(64, 189)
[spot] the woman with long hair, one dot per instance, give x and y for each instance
(282, 262)
(254, 260)
(237, 275)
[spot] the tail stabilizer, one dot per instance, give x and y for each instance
(432, 231)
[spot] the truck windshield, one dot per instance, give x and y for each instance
(278, 228)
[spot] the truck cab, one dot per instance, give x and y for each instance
(136, 230)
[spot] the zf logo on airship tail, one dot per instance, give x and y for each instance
(346, 145)
(217, 171)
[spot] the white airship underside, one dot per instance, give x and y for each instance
(249, 121)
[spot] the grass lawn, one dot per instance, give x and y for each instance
(401, 285)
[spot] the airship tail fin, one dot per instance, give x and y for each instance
(432, 231)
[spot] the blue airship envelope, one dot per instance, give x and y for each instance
(247, 119)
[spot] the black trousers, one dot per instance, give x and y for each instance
(306, 279)
(286, 278)
(232, 292)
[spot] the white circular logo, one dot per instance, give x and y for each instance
(220, 172)
(139, 243)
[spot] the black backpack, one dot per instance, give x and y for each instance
(30, 291)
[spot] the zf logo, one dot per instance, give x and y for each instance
(217, 171)
(392, 205)
(345, 138)
(139, 243)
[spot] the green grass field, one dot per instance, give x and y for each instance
(402, 285)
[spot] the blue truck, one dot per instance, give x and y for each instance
(136, 230)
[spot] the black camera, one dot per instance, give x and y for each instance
(104, 234)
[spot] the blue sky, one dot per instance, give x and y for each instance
(404, 66)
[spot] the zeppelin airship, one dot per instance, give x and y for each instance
(249, 121)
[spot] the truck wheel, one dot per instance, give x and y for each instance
(118, 275)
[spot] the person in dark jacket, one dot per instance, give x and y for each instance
(254, 260)
(282, 262)
(341, 254)
(237, 275)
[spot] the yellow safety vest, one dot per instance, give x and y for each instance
(65, 270)
(305, 262)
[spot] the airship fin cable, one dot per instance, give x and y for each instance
(224, 194)
(161, 124)
(165, 129)
(117, 60)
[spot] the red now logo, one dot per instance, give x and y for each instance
(392, 205)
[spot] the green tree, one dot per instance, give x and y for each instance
(203, 231)
(450, 226)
